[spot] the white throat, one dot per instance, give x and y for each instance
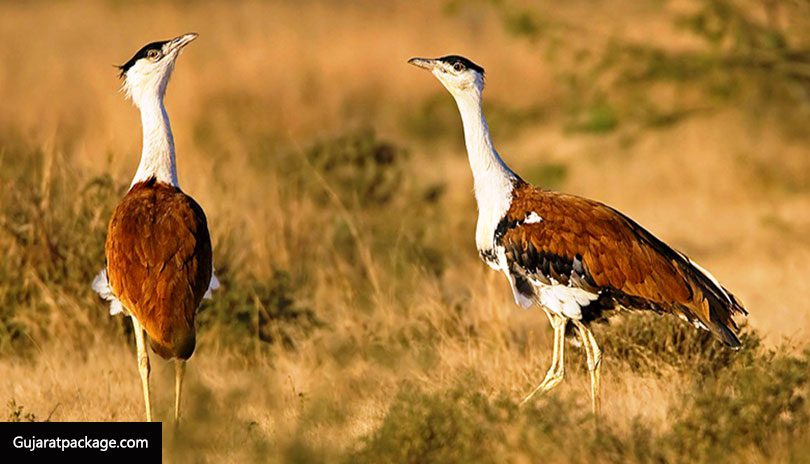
(493, 179)
(157, 156)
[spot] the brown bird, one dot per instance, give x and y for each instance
(578, 259)
(159, 261)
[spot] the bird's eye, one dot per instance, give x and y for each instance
(152, 54)
(458, 66)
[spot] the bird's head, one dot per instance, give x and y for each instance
(457, 74)
(147, 73)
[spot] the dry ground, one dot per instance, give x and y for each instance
(341, 309)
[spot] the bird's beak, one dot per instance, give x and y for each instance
(178, 43)
(424, 63)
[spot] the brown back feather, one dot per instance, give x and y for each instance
(619, 256)
(159, 263)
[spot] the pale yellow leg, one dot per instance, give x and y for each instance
(594, 356)
(143, 365)
(556, 372)
(180, 370)
(559, 371)
(596, 387)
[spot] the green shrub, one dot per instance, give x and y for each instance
(599, 117)
(751, 409)
(448, 427)
(747, 53)
(249, 311)
(649, 343)
(760, 406)
(362, 169)
(52, 228)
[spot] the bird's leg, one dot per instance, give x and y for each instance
(555, 356)
(180, 370)
(557, 370)
(143, 365)
(596, 387)
(559, 341)
(594, 356)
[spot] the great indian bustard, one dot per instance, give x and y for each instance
(159, 263)
(575, 258)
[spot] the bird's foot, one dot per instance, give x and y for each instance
(552, 380)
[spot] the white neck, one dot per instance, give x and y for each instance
(488, 169)
(157, 157)
(492, 178)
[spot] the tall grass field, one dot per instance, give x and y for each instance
(355, 321)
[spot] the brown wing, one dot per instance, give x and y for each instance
(159, 263)
(584, 243)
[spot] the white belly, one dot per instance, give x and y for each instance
(564, 300)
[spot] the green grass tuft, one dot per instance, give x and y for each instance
(649, 343)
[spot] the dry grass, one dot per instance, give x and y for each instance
(356, 322)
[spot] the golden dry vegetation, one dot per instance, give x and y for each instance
(355, 322)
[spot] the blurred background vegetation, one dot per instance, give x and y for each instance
(355, 321)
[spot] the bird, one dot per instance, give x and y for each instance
(159, 263)
(577, 259)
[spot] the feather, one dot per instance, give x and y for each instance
(159, 263)
(586, 245)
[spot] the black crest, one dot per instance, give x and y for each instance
(141, 54)
(453, 59)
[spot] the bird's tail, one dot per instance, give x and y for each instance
(720, 306)
(172, 340)
(180, 346)
(713, 307)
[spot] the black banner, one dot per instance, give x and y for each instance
(89, 441)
